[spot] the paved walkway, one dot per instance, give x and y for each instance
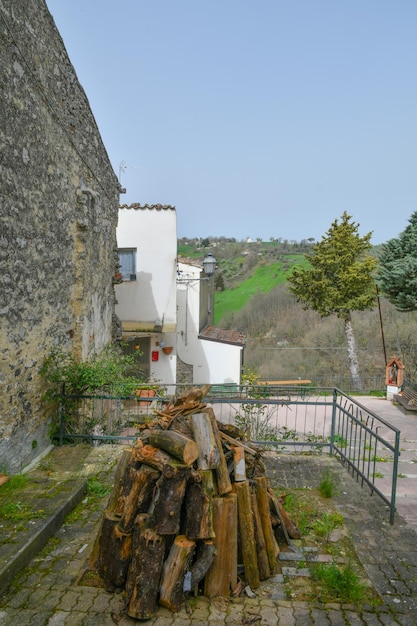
(406, 499)
(53, 590)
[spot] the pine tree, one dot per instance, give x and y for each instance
(397, 274)
(338, 279)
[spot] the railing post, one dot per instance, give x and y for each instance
(62, 416)
(394, 476)
(333, 428)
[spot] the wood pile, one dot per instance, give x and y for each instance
(191, 512)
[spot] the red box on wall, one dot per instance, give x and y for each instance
(155, 355)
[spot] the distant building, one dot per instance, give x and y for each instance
(166, 305)
(146, 294)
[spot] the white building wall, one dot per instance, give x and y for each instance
(220, 363)
(150, 299)
(213, 362)
(154, 235)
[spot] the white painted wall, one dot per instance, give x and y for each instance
(213, 362)
(158, 294)
(221, 363)
(152, 297)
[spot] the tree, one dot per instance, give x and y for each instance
(338, 279)
(397, 273)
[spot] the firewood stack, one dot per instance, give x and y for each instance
(191, 501)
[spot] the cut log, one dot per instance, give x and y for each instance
(221, 578)
(261, 552)
(141, 484)
(182, 448)
(154, 457)
(171, 528)
(168, 497)
(112, 502)
(145, 570)
(205, 554)
(236, 442)
(272, 548)
(247, 534)
(198, 522)
(209, 455)
(196, 394)
(222, 473)
(118, 478)
(173, 573)
(115, 550)
(288, 526)
(239, 464)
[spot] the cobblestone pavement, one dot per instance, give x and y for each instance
(50, 592)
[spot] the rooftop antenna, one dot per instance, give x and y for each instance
(123, 167)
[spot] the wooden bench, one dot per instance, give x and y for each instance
(407, 398)
(285, 387)
(226, 390)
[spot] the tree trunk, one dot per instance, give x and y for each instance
(175, 567)
(352, 355)
(145, 570)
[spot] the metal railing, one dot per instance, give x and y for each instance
(285, 418)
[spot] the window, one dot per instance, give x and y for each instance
(127, 261)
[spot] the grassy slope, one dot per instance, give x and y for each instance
(267, 274)
(264, 278)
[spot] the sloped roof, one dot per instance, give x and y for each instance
(233, 337)
(147, 207)
(185, 260)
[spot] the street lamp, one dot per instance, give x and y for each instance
(209, 264)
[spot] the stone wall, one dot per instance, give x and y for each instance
(58, 217)
(184, 372)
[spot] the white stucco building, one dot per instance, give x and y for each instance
(166, 305)
(216, 355)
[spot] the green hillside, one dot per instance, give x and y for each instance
(264, 278)
(244, 268)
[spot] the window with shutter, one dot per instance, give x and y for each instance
(127, 261)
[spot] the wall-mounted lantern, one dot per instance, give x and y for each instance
(209, 264)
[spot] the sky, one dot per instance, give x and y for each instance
(255, 118)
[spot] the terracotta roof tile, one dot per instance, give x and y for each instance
(150, 207)
(234, 337)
